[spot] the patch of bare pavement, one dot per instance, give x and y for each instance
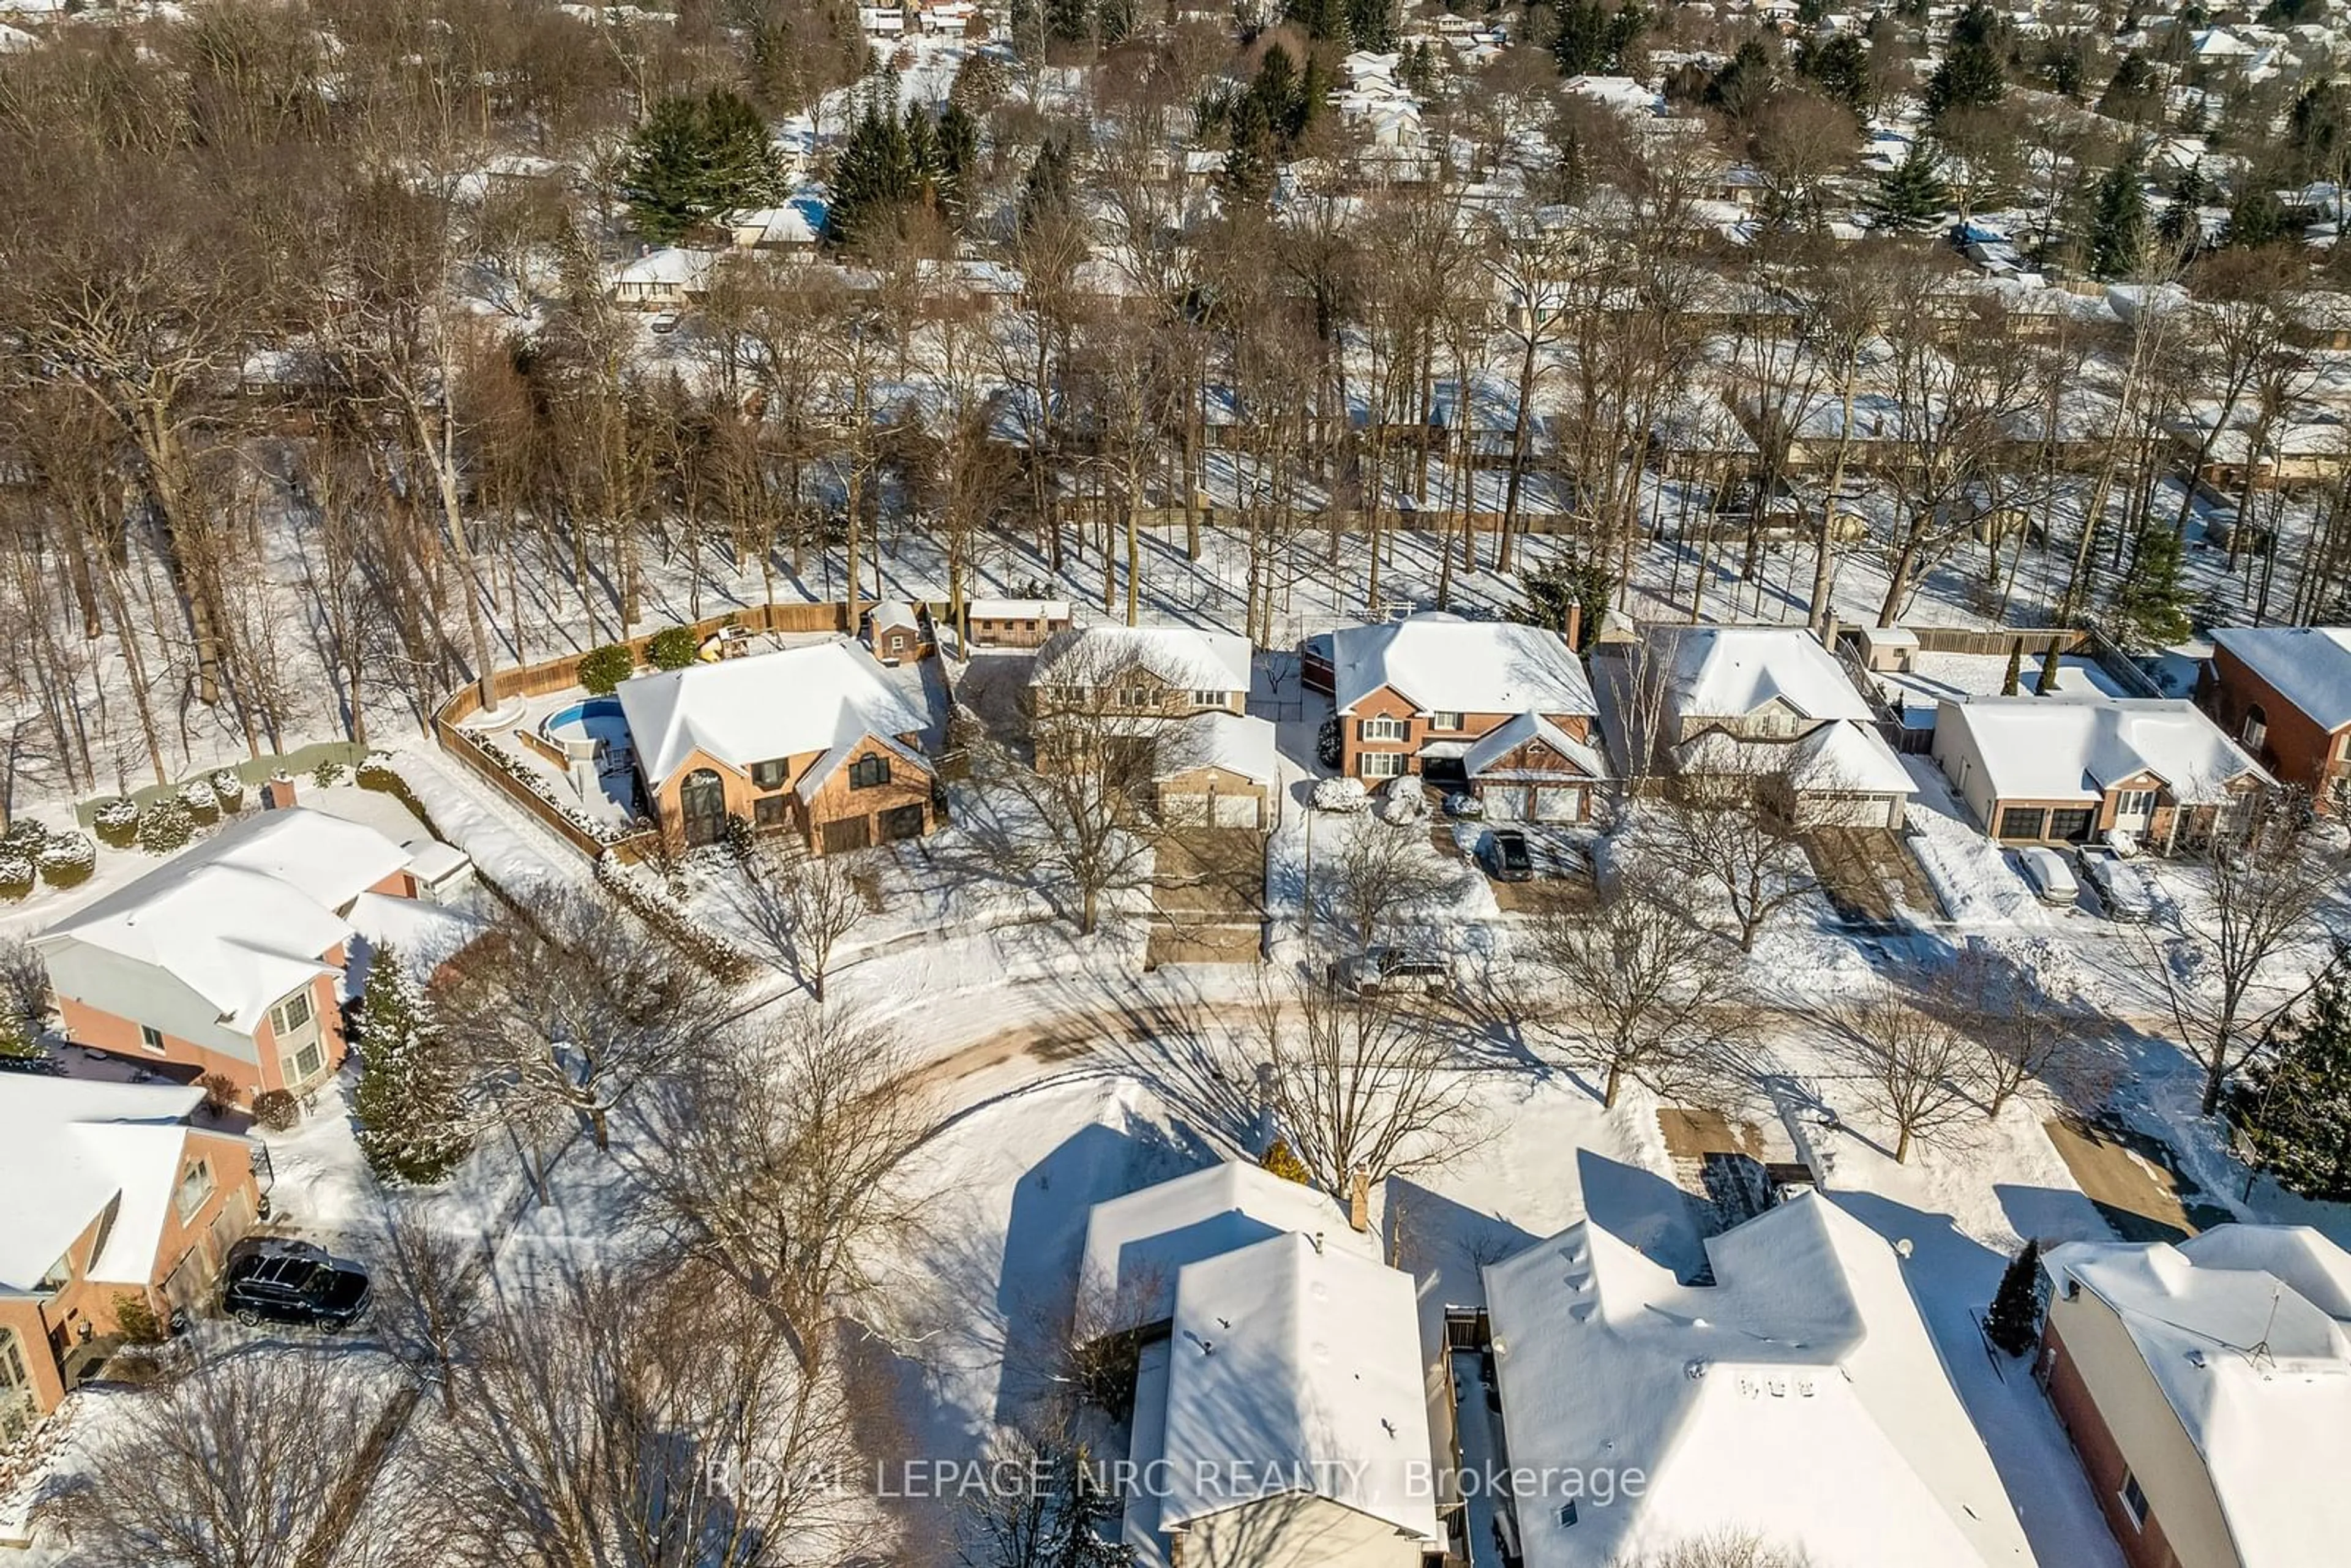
(2133, 1181)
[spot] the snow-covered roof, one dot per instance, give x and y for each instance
(2258, 1373)
(2310, 666)
(762, 708)
(1798, 1399)
(1488, 750)
(68, 1147)
(1729, 671)
(2075, 748)
(1234, 742)
(245, 917)
(1443, 663)
(1303, 1360)
(1135, 1245)
(667, 267)
(893, 612)
(1020, 609)
(1182, 656)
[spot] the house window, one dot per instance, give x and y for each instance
(195, 1187)
(1567, 1514)
(2256, 729)
(1207, 699)
(1384, 764)
(151, 1039)
(868, 772)
(1133, 696)
(769, 774)
(767, 811)
(305, 1063)
(2134, 803)
(1445, 721)
(292, 1014)
(2134, 1501)
(1383, 729)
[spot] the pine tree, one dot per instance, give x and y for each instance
(1911, 196)
(1069, 21)
(2014, 1324)
(407, 1104)
(2119, 222)
(661, 177)
(872, 177)
(2047, 685)
(2150, 606)
(1372, 24)
(2015, 681)
(2181, 226)
(1971, 75)
(1046, 195)
(2133, 94)
(1247, 178)
(2258, 218)
(1322, 19)
(1839, 64)
(2294, 1106)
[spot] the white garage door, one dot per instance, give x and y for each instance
(1186, 809)
(1564, 804)
(1845, 811)
(1507, 804)
(1237, 810)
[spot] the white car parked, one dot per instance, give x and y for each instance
(2051, 877)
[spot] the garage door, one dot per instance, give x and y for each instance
(1186, 810)
(848, 833)
(2072, 825)
(1237, 812)
(1845, 811)
(1560, 805)
(1505, 805)
(902, 822)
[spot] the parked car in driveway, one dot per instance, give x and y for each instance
(1378, 971)
(2047, 869)
(277, 1281)
(1505, 855)
(665, 322)
(2123, 889)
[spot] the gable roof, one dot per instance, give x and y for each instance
(2310, 666)
(1182, 656)
(2076, 748)
(1725, 671)
(1444, 663)
(1297, 1368)
(2257, 1374)
(1487, 752)
(1237, 742)
(761, 708)
(1800, 1398)
(1136, 1244)
(70, 1147)
(245, 916)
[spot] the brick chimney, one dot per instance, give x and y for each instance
(1359, 1199)
(277, 793)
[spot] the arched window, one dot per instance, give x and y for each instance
(702, 805)
(2256, 729)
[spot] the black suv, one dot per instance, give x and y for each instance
(293, 1282)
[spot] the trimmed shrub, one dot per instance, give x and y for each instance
(67, 859)
(1281, 1160)
(201, 804)
(671, 648)
(739, 837)
(168, 825)
(117, 823)
(135, 1319)
(602, 669)
(16, 876)
(228, 790)
(277, 1108)
(328, 774)
(25, 836)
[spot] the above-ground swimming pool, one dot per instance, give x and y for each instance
(587, 730)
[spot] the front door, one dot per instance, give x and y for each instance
(702, 803)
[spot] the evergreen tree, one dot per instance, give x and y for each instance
(2258, 218)
(1744, 81)
(2014, 682)
(1971, 75)
(1069, 21)
(1911, 196)
(958, 142)
(2047, 685)
(2150, 606)
(1591, 38)
(1839, 66)
(1322, 19)
(2014, 1324)
(2181, 224)
(873, 176)
(2119, 222)
(408, 1103)
(1372, 23)
(1567, 590)
(2294, 1105)
(1247, 178)
(1045, 194)
(695, 160)
(2318, 129)
(2134, 93)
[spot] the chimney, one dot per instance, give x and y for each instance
(277, 793)
(1359, 1199)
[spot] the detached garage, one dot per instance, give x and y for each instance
(1219, 772)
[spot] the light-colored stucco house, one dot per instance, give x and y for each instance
(1220, 773)
(229, 957)
(1502, 710)
(1141, 672)
(2284, 692)
(2207, 1389)
(1771, 703)
(1282, 1401)
(114, 1198)
(816, 740)
(1015, 622)
(2072, 770)
(1798, 1399)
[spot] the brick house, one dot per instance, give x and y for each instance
(1501, 710)
(228, 959)
(2072, 770)
(1142, 673)
(2284, 692)
(1014, 622)
(2207, 1389)
(818, 741)
(113, 1196)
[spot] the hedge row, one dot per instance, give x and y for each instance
(706, 949)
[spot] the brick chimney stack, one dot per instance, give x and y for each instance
(1359, 1199)
(277, 793)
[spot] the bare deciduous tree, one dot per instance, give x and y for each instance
(1357, 1085)
(1645, 995)
(1380, 868)
(1729, 822)
(1911, 1066)
(2021, 1036)
(800, 906)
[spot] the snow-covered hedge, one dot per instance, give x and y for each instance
(67, 858)
(167, 825)
(116, 822)
(603, 831)
(228, 790)
(196, 798)
(1344, 794)
(329, 774)
(25, 836)
(16, 876)
(704, 948)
